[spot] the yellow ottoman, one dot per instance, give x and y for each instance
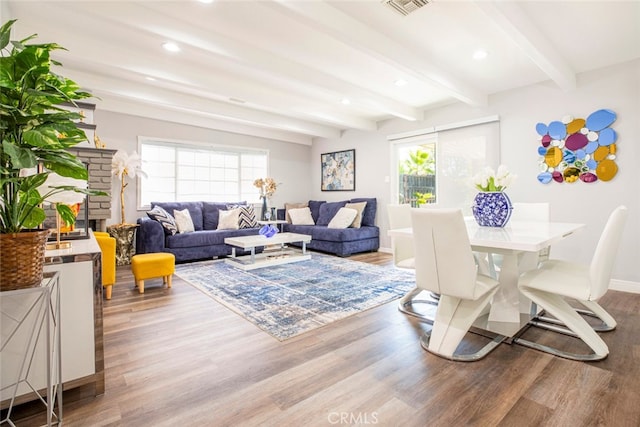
(148, 266)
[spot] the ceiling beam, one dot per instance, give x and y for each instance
(354, 33)
(174, 114)
(513, 21)
(168, 100)
(213, 77)
(282, 70)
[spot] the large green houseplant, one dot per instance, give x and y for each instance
(36, 134)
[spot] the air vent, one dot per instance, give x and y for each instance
(405, 7)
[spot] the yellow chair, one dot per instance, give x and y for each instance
(108, 249)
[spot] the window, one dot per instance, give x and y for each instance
(417, 172)
(190, 172)
(436, 165)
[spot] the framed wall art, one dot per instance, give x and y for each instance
(338, 171)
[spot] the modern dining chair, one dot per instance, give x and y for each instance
(445, 264)
(555, 280)
(403, 258)
(401, 247)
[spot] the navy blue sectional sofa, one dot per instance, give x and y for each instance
(204, 243)
(344, 241)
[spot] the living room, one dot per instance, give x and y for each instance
(370, 369)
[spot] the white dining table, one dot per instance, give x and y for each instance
(519, 243)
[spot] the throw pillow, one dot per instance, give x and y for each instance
(289, 206)
(228, 220)
(301, 216)
(183, 221)
(164, 218)
(246, 216)
(357, 222)
(328, 211)
(343, 218)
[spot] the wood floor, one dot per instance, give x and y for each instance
(175, 357)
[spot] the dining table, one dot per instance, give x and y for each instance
(519, 244)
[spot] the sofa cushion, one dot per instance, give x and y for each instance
(228, 220)
(314, 206)
(357, 221)
(328, 211)
(334, 234)
(301, 216)
(343, 218)
(195, 210)
(183, 221)
(246, 216)
(164, 218)
(289, 206)
(369, 213)
(210, 212)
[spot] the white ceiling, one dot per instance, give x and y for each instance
(280, 69)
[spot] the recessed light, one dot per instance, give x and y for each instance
(171, 47)
(151, 79)
(345, 101)
(400, 82)
(206, 1)
(480, 54)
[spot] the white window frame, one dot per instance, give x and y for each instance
(197, 145)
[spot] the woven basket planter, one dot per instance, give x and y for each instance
(22, 259)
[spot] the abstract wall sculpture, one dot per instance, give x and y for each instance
(578, 149)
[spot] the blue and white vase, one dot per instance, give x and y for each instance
(492, 209)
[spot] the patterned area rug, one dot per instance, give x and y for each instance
(288, 300)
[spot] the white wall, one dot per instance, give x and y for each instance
(288, 164)
(616, 88)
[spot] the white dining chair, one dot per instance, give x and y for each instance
(555, 280)
(401, 247)
(403, 258)
(445, 265)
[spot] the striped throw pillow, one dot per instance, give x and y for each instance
(164, 218)
(246, 217)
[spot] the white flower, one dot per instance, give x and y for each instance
(490, 180)
(124, 164)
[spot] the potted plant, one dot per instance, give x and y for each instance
(491, 206)
(36, 133)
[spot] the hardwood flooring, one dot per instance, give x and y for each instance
(175, 357)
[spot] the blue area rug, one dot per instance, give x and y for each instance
(288, 300)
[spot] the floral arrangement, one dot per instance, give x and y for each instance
(125, 165)
(267, 186)
(490, 180)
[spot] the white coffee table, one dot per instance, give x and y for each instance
(282, 254)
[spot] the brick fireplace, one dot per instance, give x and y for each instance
(98, 160)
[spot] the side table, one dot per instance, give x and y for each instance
(31, 347)
(125, 237)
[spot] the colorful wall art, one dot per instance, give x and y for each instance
(578, 149)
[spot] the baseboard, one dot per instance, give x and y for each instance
(625, 286)
(385, 250)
